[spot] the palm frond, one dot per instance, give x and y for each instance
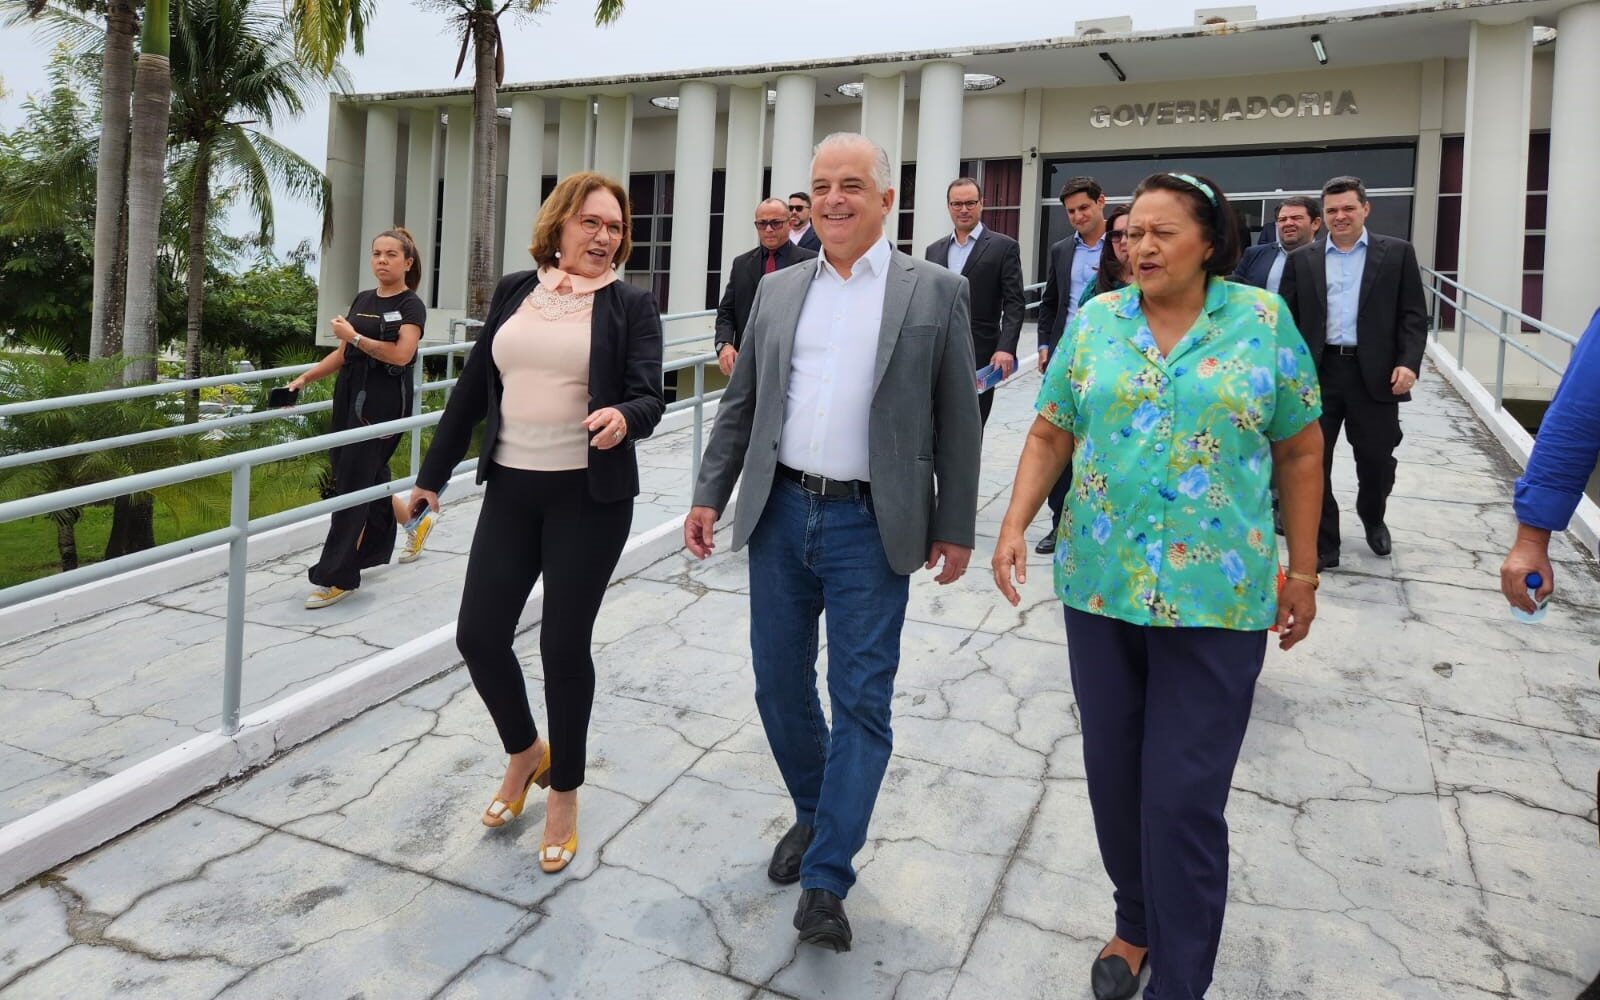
(56, 23)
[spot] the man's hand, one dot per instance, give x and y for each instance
(1044, 358)
(1297, 606)
(955, 561)
(1010, 563)
(1007, 363)
(725, 359)
(1401, 380)
(698, 526)
(1530, 554)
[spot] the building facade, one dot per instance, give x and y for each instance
(1473, 124)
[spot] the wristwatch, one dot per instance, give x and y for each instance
(1315, 579)
(356, 343)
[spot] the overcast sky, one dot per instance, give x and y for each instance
(413, 48)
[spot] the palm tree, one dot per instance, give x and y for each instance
(147, 156)
(479, 24)
(235, 65)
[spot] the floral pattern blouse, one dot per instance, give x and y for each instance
(1169, 519)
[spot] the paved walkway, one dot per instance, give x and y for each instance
(1413, 816)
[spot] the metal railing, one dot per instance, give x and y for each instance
(1493, 318)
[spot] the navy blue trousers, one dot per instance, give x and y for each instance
(1164, 712)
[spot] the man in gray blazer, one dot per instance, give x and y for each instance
(851, 413)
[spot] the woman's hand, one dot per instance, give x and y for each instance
(343, 330)
(420, 496)
(1297, 606)
(296, 384)
(609, 426)
(1010, 557)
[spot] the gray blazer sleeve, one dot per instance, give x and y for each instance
(958, 432)
(730, 435)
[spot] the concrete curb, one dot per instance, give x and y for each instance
(83, 821)
(1511, 435)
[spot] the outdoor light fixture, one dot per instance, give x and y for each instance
(980, 81)
(1316, 47)
(1121, 76)
(665, 103)
(1543, 35)
(853, 89)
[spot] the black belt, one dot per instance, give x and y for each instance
(822, 486)
(1341, 350)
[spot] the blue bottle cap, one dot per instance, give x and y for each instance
(1534, 581)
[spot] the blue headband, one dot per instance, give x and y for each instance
(1198, 184)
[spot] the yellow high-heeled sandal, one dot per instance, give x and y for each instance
(495, 816)
(555, 857)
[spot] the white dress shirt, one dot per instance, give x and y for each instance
(956, 259)
(796, 235)
(829, 402)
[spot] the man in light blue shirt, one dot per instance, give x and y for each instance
(1343, 267)
(1298, 220)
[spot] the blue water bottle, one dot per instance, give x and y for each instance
(1533, 581)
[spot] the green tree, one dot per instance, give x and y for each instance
(478, 22)
(268, 309)
(234, 65)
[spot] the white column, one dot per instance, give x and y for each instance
(524, 177)
(1028, 215)
(337, 277)
(793, 127)
(377, 181)
(1425, 201)
(883, 107)
(574, 138)
(456, 209)
(1569, 265)
(421, 191)
(741, 190)
(938, 149)
(613, 137)
(691, 196)
(1495, 173)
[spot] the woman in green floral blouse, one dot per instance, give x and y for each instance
(1174, 399)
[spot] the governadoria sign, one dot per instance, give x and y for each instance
(1306, 104)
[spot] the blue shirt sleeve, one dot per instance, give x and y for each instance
(1568, 443)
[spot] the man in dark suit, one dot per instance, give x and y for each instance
(800, 232)
(1298, 220)
(992, 264)
(774, 253)
(1357, 298)
(1073, 263)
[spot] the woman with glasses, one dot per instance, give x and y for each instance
(565, 377)
(1173, 399)
(1112, 274)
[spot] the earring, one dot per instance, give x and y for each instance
(558, 255)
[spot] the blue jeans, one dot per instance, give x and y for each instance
(808, 553)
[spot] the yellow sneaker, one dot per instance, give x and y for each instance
(416, 538)
(324, 596)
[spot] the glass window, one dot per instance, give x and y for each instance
(1289, 171)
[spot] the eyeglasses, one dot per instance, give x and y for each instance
(964, 206)
(591, 225)
(797, 208)
(1117, 235)
(771, 223)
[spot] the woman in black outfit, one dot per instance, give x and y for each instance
(566, 376)
(378, 343)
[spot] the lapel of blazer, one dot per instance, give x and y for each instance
(1319, 276)
(977, 251)
(1377, 246)
(899, 283)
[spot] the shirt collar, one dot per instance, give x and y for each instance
(554, 279)
(1361, 241)
(1077, 239)
(972, 237)
(1128, 305)
(876, 261)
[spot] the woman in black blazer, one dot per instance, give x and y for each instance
(566, 376)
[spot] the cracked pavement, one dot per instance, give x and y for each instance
(1413, 815)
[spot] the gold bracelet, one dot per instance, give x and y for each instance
(1312, 578)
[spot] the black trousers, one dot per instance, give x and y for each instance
(1164, 713)
(983, 349)
(362, 536)
(1373, 429)
(535, 523)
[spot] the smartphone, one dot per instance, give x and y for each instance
(282, 396)
(417, 515)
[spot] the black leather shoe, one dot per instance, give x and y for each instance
(821, 921)
(1326, 562)
(1378, 539)
(1046, 545)
(784, 868)
(1112, 979)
